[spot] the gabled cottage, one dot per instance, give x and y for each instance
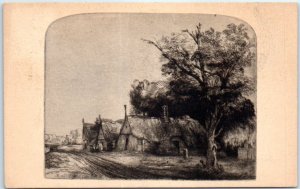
(131, 138)
(102, 144)
(93, 136)
(157, 135)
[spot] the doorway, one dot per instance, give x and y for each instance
(126, 143)
(176, 144)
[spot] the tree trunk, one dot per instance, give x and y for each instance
(211, 155)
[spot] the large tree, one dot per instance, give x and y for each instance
(206, 71)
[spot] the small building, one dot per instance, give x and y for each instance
(247, 152)
(101, 140)
(67, 140)
(241, 143)
(51, 138)
(173, 142)
(132, 136)
(111, 131)
(155, 135)
(92, 135)
(76, 136)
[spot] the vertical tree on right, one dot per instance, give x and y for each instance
(208, 80)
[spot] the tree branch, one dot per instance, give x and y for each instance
(173, 60)
(219, 132)
(192, 35)
(195, 36)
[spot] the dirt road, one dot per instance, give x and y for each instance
(99, 165)
(81, 165)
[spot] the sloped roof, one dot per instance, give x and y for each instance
(239, 136)
(90, 132)
(146, 128)
(111, 130)
(88, 125)
(126, 128)
(153, 129)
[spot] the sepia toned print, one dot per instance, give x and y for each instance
(150, 96)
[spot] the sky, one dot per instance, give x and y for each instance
(91, 60)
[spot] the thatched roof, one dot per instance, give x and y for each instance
(154, 130)
(90, 132)
(145, 127)
(239, 137)
(193, 132)
(111, 130)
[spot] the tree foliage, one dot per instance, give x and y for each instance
(206, 78)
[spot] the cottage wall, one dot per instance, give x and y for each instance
(121, 143)
(168, 146)
(132, 143)
(102, 145)
(140, 147)
(147, 146)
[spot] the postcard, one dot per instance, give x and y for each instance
(150, 95)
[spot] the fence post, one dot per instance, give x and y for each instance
(185, 153)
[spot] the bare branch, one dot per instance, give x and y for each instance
(195, 35)
(192, 35)
(219, 132)
(173, 60)
(153, 43)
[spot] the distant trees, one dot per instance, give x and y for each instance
(207, 80)
(148, 97)
(137, 99)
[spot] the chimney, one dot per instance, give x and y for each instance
(125, 110)
(82, 120)
(165, 113)
(100, 120)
